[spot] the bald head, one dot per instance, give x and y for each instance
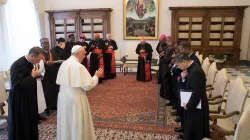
(108, 36)
(45, 43)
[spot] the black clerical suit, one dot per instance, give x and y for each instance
(22, 117)
(197, 120)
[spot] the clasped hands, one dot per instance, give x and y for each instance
(109, 46)
(142, 51)
(184, 74)
(2, 104)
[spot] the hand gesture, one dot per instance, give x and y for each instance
(1, 108)
(99, 72)
(184, 74)
(49, 62)
(185, 106)
(110, 47)
(99, 56)
(35, 72)
(142, 51)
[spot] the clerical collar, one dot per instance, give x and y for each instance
(190, 65)
(27, 59)
(76, 58)
(190, 54)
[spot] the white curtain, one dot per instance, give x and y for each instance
(21, 30)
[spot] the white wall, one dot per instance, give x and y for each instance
(164, 16)
(3, 61)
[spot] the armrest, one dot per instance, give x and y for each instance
(221, 131)
(218, 116)
(209, 88)
(217, 102)
(214, 111)
(214, 98)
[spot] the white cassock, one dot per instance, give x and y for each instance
(40, 94)
(74, 120)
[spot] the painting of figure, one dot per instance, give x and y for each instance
(140, 19)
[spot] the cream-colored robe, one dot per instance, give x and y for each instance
(74, 120)
(40, 94)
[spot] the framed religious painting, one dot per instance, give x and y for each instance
(140, 19)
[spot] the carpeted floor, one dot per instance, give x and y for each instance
(125, 103)
(122, 108)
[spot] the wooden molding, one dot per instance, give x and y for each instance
(207, 7)
(81, 10)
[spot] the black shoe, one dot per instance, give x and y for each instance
(46, 111)
(178, 119)
(169, 104)
(174, 113)
(179, 129)
(54, 108)
(180, 137)
(40, 117)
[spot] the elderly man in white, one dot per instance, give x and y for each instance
(74, 120)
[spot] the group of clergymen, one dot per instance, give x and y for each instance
(102, 56)
(180, 70)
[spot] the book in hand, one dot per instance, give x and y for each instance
(185, 96)
(58, 61)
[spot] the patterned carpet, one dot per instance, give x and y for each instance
(125, 103)
(122, 109)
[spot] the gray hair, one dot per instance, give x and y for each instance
(181, 57)
(36, 51)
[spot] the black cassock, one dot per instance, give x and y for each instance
(197, 120)
(166, 90)
(59, 53)
(144, 67)
(161, 47)
(85, 61)
(94, 60)
(50, 87)
(108, 60)
(68, 48)
(22, 118)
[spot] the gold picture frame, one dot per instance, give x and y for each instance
(140, 19)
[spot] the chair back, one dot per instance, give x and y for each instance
(220, 83)
(197, 54)
(3, 93)
(237, 95)
(201, 58)
(211, 74)
(206, 65)
(243, 127)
